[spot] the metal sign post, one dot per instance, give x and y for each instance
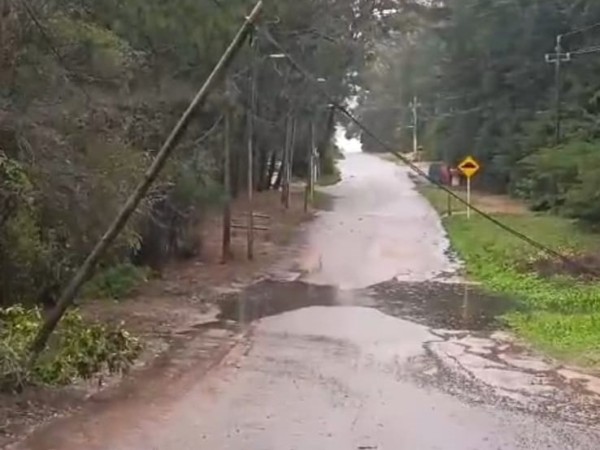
(468, 197)
(469, 167)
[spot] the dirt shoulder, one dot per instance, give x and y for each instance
(170, 312)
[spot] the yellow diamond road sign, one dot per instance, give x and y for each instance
(469, 167)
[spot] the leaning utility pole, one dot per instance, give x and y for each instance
(86, 269)
(557, 59)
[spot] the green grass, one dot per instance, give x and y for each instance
(561, 314)
(441, 201)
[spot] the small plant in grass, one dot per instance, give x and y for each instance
(78, 349)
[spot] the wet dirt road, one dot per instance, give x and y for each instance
(380, 228)
(370, 347)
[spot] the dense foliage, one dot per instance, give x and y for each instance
(478, 69)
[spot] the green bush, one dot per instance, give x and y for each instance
(77, 350)
(116, 282)
(564, 179)
(23, 255)
(40, 245)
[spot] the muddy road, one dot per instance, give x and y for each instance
(373, 344)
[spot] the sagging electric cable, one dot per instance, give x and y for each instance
(308, 75)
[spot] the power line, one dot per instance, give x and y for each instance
(581, 30)
(415, 168)
(586, 51)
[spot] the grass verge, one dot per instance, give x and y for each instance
(561, 313)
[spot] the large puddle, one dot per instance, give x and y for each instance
(453, 306)
(269, 298)
(434, 304)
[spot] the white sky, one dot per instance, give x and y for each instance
(345, 144)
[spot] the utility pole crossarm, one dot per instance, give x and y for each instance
(553, 58)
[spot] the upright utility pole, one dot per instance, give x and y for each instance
(308, 193)
(311, 184)
(250, 173)
(557, 59)
(226, 256)
(415, 113)
(290, 165)
(285, 162)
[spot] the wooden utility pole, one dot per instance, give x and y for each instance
(290, 167)
(415, 127)
(557, 59)
(226, 256)
(285, 165)
(312, 161)
(86, 269)
(309, 193)
(250, 172)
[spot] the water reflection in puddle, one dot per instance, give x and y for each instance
(269, 298)
(434, 304)
(454, 306)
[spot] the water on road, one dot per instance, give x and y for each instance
(375, 345)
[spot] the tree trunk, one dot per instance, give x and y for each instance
(327, 135)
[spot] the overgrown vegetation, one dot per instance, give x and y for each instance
(561, 307)
(78, 350)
